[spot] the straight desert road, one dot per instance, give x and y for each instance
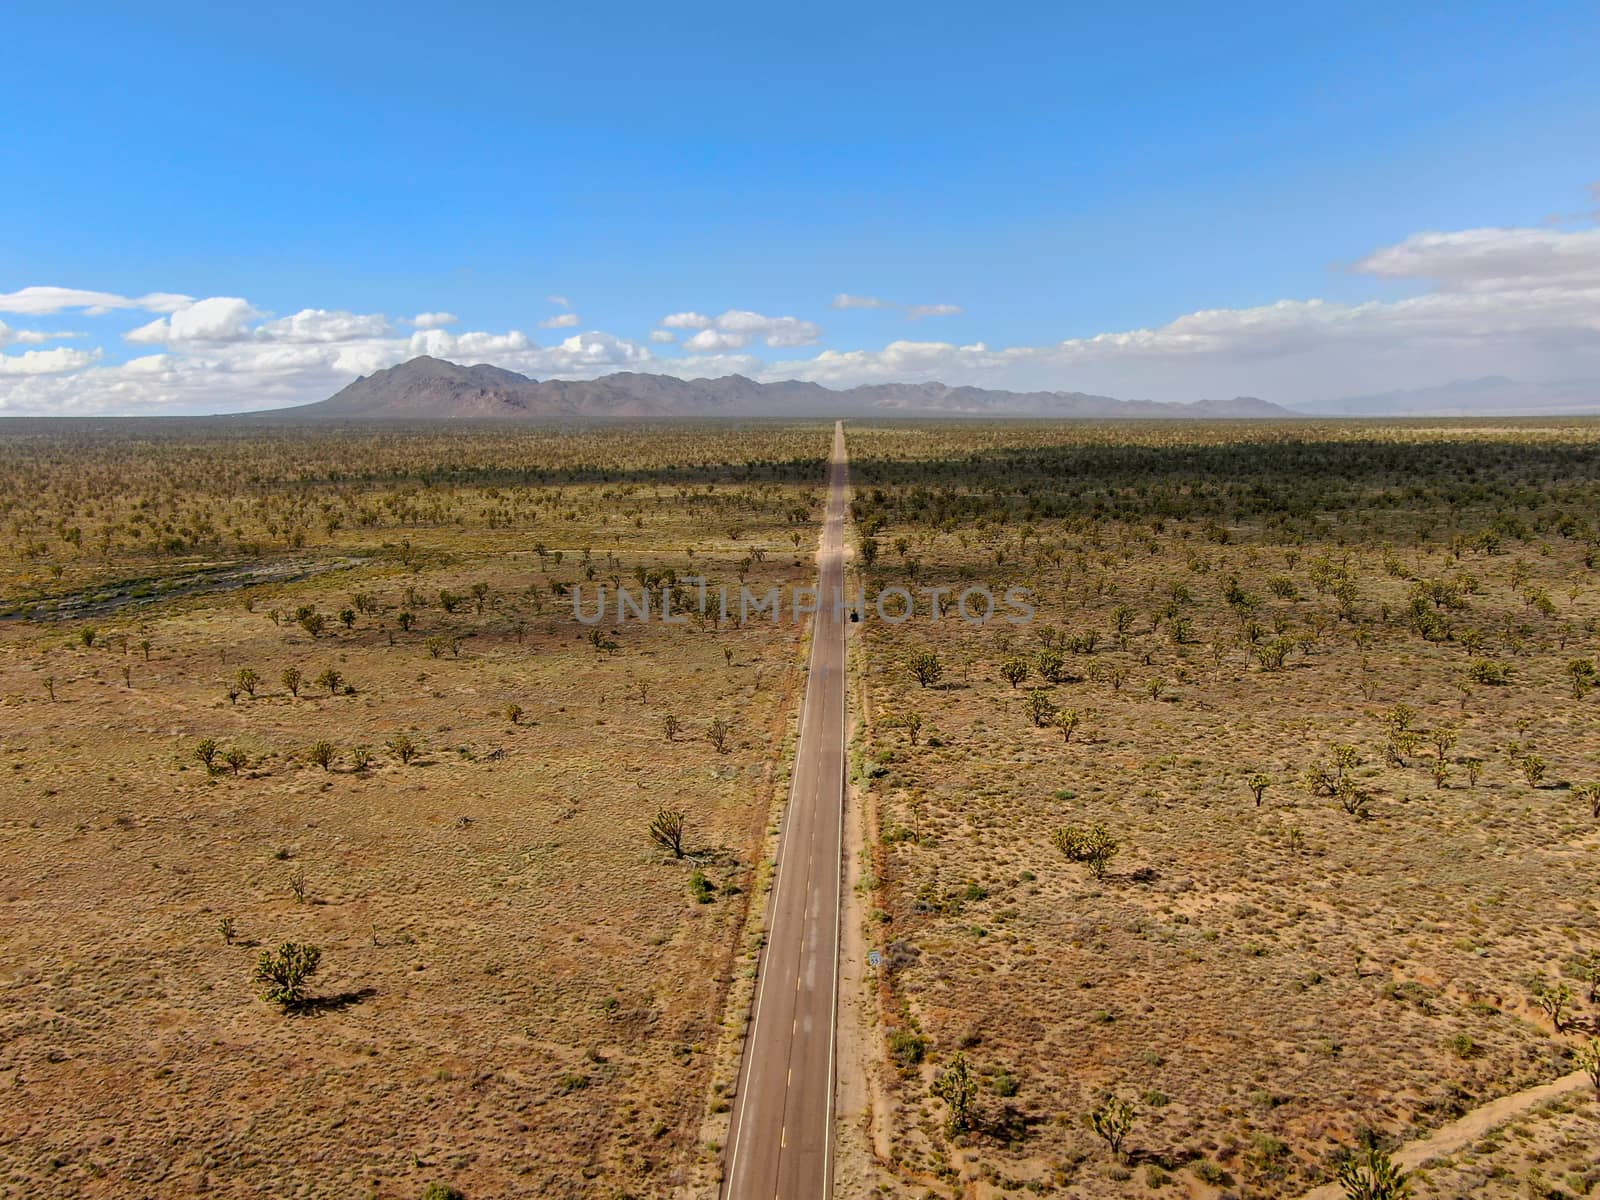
(780, 1142)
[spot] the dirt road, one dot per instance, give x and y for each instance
(780, 1143)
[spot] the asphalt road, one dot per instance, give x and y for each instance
(780, 1143)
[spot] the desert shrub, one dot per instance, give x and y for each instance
(1093, 847)
(906, 1046)
(291, 680)
(1489, 671)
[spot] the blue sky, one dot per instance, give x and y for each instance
(1073, 179)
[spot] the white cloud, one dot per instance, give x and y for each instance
(775, 331)
(846, 300)
(217, 319)
(914, 312)
(41, 301)
(561, 300)
(31, 337)
(320, 325)
(714, 340)
(441, 343)
(686, 320)
(1492, 260)
(739, 327)
(1518, 302)
(564, 320)
(434, 320)
(59, 361)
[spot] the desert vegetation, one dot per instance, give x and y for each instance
(313, 786)
(1269, 844)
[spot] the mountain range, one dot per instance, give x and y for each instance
(430, 388)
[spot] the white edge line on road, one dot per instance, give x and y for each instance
(838, 892)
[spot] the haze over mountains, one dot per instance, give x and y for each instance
(431, 388)
(428, 388)
(1491, 395)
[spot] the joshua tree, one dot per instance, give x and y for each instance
(666, 829)
(226, 928)
(1582, 673)
(1112, 1121)
(1258, 785)
(1052, 666)
(330, 679)
(1373, 1175)
(926, 668)
(404, 747)
(513, 712)
(1589, 1060)
(718, 734)
(1589, 793)
(1014, 670)
(1066, 720)
(1093, 847)
(958, 1088)
(206, 752)
(322, 753)
(1041, 709)
(291, 680)
(247, 681)
(285, 972)
(671, 726)
(236, 759)
(1533, 769)
(912, 723)
(1554, 999)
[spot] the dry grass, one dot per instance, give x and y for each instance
(519, 993)
(1262, 983)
